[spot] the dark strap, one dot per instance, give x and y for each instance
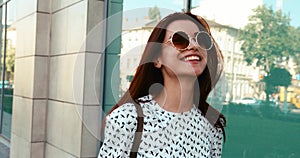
(139, 131)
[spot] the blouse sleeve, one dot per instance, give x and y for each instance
(217, 144)
(119, 132)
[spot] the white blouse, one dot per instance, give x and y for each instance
(165, 134)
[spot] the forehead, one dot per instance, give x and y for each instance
(182, 25)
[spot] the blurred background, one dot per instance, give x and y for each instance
(259, 91)
(65, 63)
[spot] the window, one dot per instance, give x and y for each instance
(8, 50)
(268, 128)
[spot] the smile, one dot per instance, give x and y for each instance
(192, 58)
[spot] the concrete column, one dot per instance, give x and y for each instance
(28, 135)
(57, 76)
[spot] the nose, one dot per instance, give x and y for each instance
(193, 43)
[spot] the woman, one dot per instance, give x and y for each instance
(179, 67)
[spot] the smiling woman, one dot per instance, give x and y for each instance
(179, 67)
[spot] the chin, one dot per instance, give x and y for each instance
(198, 72)
(194, 73)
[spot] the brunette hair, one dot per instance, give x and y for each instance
(147, 74)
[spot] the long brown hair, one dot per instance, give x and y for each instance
(147, 74)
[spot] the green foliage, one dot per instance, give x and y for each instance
(270, 41)
(295, 36)
(266, 39)
(154, 13)
(279, 77)
(10, 59)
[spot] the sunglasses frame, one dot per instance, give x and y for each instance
(190, 39)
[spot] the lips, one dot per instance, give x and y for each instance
(192, 57)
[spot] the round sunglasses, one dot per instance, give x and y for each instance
(181, 40)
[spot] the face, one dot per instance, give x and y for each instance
(182, 62)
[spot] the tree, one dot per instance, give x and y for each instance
(267, 42)
(266, 38)
(154, 13)
(279, 77)
(295, 35)
(9, 60)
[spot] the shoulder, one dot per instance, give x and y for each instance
(128, 110)
(213, 118)
(124, 115)
(214, 133)
(217, 133)
(209, 122)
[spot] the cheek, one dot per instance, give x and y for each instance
(168, 57)
(168, 62)
(205, 58)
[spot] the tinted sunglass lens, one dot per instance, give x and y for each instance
(180, 40)
(204, 40)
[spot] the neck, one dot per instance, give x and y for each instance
(177, 95)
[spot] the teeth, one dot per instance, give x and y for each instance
(192, 58)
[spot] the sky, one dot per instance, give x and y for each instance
(289, 7)
(228, 11)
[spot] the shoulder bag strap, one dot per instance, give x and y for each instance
(139, 131)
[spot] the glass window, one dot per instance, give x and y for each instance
(139, 21)
(262, 111)
(8, 50)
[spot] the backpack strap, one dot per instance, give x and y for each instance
(139, 131)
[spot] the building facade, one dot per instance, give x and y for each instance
(135, 35)
(57, 74)
(240, 78)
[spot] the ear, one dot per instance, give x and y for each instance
(157, 64)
